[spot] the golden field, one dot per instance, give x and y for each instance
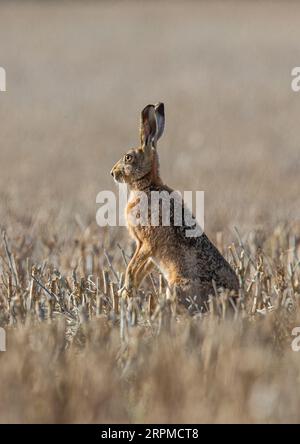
(78, 74)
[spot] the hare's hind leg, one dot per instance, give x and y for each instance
(193, 296)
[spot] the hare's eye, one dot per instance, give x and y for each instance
(128, 158)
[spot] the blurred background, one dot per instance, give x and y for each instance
(79, 73)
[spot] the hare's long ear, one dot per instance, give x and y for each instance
(148, 126)
(160, 121)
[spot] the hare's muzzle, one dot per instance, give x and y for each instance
(116, 173)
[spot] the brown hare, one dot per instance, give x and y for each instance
(192, 266)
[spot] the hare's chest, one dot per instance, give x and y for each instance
(137, 212)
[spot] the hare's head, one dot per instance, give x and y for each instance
(142, 162)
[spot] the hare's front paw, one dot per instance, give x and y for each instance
(125, 292)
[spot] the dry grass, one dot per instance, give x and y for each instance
(75, 354)
(77, 76)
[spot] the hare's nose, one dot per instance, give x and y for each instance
(112, 172)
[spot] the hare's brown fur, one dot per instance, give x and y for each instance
(192, 266)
